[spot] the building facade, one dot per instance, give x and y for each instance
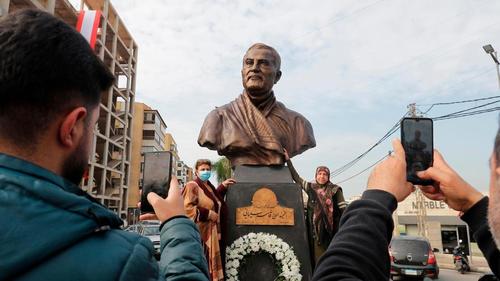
(184, 173)
(148, 135)
(107, 178)
(443, 225)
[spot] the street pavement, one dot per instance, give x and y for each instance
(453, 275)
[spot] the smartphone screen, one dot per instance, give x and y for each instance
(157, 174)
(417, 140)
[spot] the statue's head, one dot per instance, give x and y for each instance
(261, 69)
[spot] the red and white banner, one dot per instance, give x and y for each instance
(87, 25)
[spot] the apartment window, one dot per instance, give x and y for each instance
(148, 149)
(157, 139)
(179, 173)
(157, 121)
(173, 147)
(148, 134)
(149, 118)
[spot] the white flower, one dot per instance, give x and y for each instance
(279, 256)
(254, 247)
(253, 242)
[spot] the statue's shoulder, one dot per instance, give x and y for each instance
(217, 117)
(292, 115)
(221, 110)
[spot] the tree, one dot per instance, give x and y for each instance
(223, 169)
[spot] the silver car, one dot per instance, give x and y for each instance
(149, 229)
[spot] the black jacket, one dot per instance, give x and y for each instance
(476, 218)
(359, 250)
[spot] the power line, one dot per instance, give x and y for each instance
(457, 114)
(364, 170)
(463, 111)
(460, 101)
(435, 119)
(456, 102)
(468, 114)
(351, 163)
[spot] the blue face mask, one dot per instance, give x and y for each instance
(204, 175)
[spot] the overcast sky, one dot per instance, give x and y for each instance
(350, 67)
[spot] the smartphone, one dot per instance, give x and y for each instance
(417, 140)
(157, 174)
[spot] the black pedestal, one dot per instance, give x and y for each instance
(249, 179)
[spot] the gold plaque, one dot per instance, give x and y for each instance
(265, 210)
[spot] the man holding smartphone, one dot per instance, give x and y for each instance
(50, 87)
(359, 250)
(481, 213)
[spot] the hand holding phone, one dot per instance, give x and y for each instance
(164, 209)
(157, 175)
(417, 140)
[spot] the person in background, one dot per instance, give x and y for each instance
(205, 205)
(359, 250)
(324, 207)
(50, 88)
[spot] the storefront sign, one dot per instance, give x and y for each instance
(432, 208)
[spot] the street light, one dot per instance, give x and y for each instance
(491, 51)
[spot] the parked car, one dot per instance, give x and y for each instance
(151, 230)
(412, 257)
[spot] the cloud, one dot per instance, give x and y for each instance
(349, 66)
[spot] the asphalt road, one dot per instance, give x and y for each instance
(453, 275)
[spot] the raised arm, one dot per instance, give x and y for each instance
(295, 175)
(339, 199)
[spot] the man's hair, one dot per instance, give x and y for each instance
(277, 58)
(46, 69)
(200, 162)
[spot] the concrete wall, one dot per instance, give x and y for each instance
(135, 165)
(434, 234)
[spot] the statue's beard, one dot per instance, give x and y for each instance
(494, 213)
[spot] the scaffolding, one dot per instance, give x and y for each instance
(109, 161)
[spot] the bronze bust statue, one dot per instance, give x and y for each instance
(255, 128)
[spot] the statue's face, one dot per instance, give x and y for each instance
(259, 72)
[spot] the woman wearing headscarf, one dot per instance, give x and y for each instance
(324, 207)
(205, 205)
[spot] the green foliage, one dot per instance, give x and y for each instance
(223, 169)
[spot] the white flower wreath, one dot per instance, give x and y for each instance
(256, 242)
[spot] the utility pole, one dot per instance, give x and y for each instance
(419, 197)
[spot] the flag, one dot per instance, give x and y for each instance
(87, 25)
